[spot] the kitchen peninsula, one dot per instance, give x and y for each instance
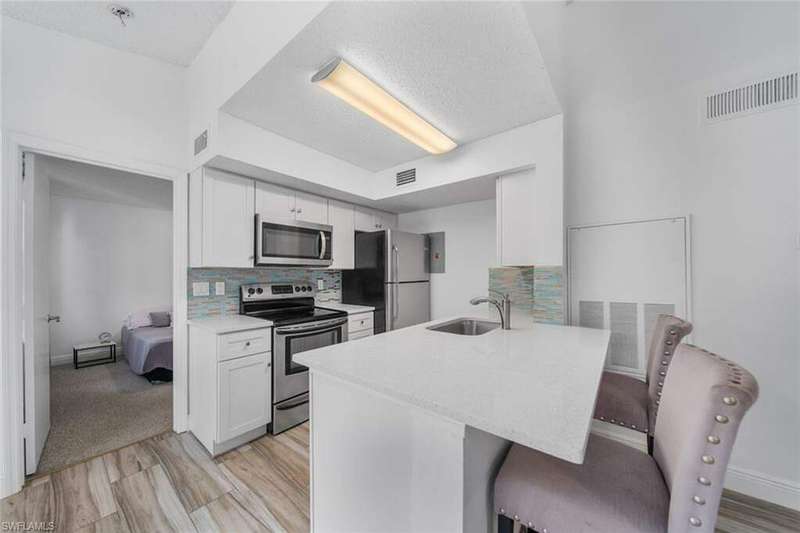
(409, 427)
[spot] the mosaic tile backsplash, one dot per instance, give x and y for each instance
(536, 291)
(228, 304)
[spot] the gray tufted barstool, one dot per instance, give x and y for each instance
(619, 488)
(631, 402)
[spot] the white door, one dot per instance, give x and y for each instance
(365, 219)
(273, 202)
(245, 395)
(36, 243)
(311, 208)
(342, 219)
(228, 220)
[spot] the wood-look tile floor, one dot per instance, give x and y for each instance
(170, 483)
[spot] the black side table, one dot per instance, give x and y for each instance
(112, 353)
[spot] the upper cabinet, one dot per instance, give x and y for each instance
(529, 220)
(277, 203)
(373, 220)
(221, 205)
(342, 218)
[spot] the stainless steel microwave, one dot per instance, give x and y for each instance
(282, 242)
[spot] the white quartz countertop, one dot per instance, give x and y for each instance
(535, 384)
(349, 308)
(230, 324)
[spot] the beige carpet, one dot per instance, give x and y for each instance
(101, 408)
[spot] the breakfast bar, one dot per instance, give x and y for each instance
(408, 428)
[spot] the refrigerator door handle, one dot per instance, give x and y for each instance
(395, 268)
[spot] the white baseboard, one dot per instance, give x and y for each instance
(63, 359)
(774, 490)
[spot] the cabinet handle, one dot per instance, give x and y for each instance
(300, 210)
(292, 210)
(247, 343)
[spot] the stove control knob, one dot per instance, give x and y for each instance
(259, 290)
(296, 289)
(303, 288)
(250, 291)
(310, 289)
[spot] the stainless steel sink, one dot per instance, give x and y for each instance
(465, 326)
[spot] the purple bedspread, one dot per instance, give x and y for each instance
(147, 348)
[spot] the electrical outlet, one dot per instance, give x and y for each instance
(219, 288)
(200, 288)
(320, 284)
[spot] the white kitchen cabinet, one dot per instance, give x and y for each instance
(244, 394)
(274, 202)
(529, 220)
(221, 214)
(230, 381)
(311, 208)
(374, 220)
(360, 325)
(278, 203)
(342, 218)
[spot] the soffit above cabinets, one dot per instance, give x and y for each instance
(169, 31)
(470, 69)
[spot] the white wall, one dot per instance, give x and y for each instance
(71, 90)
(641, 150)
(470, 251)
(107, 260)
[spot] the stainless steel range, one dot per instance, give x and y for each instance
(299, 326)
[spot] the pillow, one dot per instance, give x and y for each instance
(141, 318)
(160, 319)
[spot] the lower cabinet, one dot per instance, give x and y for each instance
(230, 386)
(360, 325)
(244, 395)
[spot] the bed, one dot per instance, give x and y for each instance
(148, 349)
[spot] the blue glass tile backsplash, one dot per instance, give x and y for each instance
(535, 290)
(228, 304)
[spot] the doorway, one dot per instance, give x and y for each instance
(97, 312)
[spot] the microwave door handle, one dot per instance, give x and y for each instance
(259, 240)
(323, 244)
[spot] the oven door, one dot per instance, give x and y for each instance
(295, 243)
(289, 378)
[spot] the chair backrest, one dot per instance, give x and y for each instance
(668, 331)
(703, 402)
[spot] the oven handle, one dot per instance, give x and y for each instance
(323, 244)
(291, 405)
(328, 324)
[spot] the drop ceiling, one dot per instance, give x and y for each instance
(470, 69)
(171, 31)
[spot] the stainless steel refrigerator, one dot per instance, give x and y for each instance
(391, 274)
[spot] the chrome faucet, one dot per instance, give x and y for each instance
(503, 306)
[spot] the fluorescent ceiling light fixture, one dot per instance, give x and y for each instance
(353, 87)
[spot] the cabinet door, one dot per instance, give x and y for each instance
(385, 220)
(311, 208)
(516, 225)
(365, 219)
(359, 335)
(245, 394)
(274, 203)
(342, 218)
(228, 223)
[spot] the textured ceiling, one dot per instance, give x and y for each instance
(91, 182)
(472, 69)
(172, 31)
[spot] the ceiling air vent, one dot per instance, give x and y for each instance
(406, 176)
(753, 98)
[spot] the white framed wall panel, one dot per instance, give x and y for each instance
(622, 275)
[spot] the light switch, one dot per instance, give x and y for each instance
(320, 285)
(219, 288)
(200, 288)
